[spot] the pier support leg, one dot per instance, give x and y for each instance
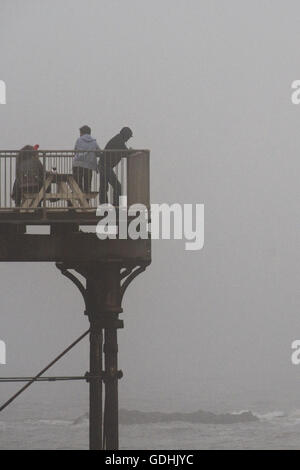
(95, 414)
(103, 308)
(112, 375)
(106, 284)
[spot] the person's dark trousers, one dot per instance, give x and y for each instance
(108, 176)
(103, 188)
(17, 193)
(116, 185)
(83, 177)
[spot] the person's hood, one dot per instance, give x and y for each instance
(87, 138)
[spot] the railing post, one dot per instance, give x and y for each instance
(138, 179)
(44, 184)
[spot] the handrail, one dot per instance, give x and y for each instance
(72, 151)
(57, 184)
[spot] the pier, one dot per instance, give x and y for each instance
(108, 266)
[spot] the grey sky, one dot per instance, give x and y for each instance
(206, 86)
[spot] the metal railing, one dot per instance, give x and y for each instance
(52, 180)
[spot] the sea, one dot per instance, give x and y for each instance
(40, 426)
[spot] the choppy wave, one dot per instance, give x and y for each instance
(271, 415)
(295, 414)
(134, 417)
(53, 422)
(141, 417)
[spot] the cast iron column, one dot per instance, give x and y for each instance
(104, 306)
(106, 283)
(95, 385)
(111, 413)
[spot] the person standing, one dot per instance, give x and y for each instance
(108, 162)
(85, 159)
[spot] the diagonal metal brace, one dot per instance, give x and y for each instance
(130, 278)
(74, 279)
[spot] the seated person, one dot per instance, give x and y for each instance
(29, 174)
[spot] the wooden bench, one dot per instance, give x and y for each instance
(67, 189)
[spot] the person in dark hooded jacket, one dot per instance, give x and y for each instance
(108, 162)
(29, 174)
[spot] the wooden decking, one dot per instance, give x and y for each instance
(39, 216)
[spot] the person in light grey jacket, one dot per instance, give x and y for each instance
(85, 159)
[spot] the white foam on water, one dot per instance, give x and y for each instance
(270, 416)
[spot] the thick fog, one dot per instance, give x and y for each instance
(206, 86)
